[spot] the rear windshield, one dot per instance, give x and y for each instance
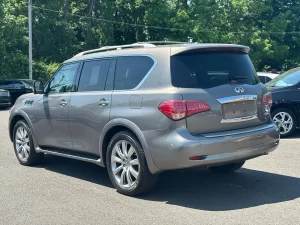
(211, 69)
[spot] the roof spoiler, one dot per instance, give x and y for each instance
(210, 48)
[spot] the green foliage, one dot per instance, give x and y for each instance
(270, 27)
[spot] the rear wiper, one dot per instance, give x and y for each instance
(238, 78)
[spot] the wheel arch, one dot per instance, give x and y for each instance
(117, 125)
(14, 119)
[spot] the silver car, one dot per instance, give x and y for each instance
(144, 108)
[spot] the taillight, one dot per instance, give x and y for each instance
(180, 109)
(267, 99)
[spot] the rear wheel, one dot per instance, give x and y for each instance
(23, 145)
(285, 120)
(127, 166)
(229, 168)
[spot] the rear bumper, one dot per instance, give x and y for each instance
(172, 150)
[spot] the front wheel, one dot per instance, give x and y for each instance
(127, 166)
(23, 145)
(229, 168)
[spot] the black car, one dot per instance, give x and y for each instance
(285, 109)
(16, 87)
(4, 99)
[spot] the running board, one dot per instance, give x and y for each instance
(73, 155)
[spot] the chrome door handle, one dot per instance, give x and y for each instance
(63, 102)
(103, 103)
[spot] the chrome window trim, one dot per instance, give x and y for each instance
(145, 77)
(125, 55)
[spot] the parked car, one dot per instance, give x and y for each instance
(142, 109)
(16, 87)
(285, 90)
(4, 99)
(266, 77)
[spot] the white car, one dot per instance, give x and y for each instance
(265, 77)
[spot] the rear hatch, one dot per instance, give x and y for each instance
(227, 82)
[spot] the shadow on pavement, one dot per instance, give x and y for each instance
(197, 188)
(78, 169)
(294, 135)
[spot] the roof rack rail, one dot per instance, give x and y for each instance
(148, 44)
(117, 47)
(163, 42)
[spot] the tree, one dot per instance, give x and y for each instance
(62, 28)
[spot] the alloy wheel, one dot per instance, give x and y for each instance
(284, 121)
(22, 143)
(125, 164)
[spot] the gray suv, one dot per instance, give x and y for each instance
(144, 108)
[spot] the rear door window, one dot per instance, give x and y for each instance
(93, 75)
(212, 69)
(131, 70)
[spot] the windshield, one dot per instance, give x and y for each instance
(288, 78)
(28, 83)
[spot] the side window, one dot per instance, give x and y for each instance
(19, 85)
(131, 70)
(262, 79)
(93, 75)
(268, 79)
(63, 79)
(6, 84)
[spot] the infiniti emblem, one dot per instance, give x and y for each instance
(239, 90)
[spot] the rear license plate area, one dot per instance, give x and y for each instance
(239, 109)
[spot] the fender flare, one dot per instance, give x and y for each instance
(22, 114)
(28, 121)
(135, 129)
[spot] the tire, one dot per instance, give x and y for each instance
(132, 176)
(225, 169)
(277, 114)
(23, 145)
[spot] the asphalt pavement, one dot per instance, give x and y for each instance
(64, 191)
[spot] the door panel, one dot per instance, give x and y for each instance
(51, 125)
(52, 122)
(89, 109)
(87, 119)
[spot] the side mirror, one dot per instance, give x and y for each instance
(38, 87)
